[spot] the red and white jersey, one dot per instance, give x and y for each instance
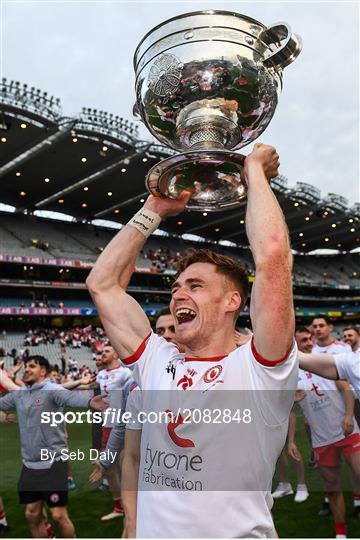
(324, 409)
(191, 467)
(348, 367)
(111, 382)
(113, 379)
(335, 347)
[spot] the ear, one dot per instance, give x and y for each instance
(233, 301)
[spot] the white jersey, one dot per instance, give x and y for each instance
(335, 347)
(324, 408)
(134, 407)
(191, 467)
(111, 382)
(348, 367)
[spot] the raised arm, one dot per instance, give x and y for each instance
(8, 402)
(319, 363)
(271, 308)
(71, 398)
(125, 323)
(6, 382)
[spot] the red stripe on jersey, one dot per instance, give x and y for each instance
(267, 363)
(211, 359)
(133, 386)
(3, 390)
(135, 357)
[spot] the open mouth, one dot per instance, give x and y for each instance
(185, 315)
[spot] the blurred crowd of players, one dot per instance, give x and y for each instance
(333, 431)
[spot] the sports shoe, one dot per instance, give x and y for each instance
(326, 510)
(301, 493)
(282, 490)
(113, 515)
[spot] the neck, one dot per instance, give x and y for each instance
(356, 346)
(113, 365)
(212, 345)
(36, 382)
(324, 342)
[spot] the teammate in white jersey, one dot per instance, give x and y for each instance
(188, 469)
(334, 366)
(334, 433)
(351, 336)
(111, 380)
(325, 343)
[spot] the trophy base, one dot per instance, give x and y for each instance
(215, 177)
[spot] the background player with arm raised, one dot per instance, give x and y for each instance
(43, 479)
(207, 296)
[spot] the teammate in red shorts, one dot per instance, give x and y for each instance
(111, 380)
(329, 408)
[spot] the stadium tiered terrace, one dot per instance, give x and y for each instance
(68, 184)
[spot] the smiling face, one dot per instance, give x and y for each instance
(203, 304)
(34, 373)
(351, 337)
(304, 341)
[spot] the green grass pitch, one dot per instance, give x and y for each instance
(85, 508)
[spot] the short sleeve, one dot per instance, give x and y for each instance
(153, 350)
(275, 384)
(276, 374)
(348, 367)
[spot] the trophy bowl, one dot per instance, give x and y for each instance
(207, 83)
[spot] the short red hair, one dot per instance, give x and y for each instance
(231, 269)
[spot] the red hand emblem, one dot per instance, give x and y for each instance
(185, 382)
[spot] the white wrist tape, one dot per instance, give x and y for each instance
(145, 221)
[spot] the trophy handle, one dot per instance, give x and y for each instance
(288, 45)
(136, 112)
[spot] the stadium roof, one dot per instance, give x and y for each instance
(93, 167)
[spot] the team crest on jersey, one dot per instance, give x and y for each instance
(38, 401)
(54, 498)
(212, 373)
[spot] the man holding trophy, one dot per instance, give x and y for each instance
(220, 460)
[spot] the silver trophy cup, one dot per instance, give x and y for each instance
(207, 83)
